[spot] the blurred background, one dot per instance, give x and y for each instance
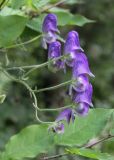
(97, 39)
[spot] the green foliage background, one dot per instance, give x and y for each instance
(20, 21)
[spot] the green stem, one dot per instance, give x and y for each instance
(56, 109)
(54, 87)
(35, 104)
(37, 66)
(27, 42)
(32, 93)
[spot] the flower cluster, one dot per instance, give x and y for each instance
(80, 89)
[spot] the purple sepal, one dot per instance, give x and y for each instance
(49, 29)
(82, 109)
(81, 65)
(81, 83)
(50, 23)
(53, 53)
(72, 45)
(67, 115)
(84, 97)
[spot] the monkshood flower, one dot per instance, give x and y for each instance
(85, 97)
(84, 100)
(66, 115)
(49, 29)
(57, 128)
(54, 52)
(72, 46)
(80, 84)
(82, 109)
(81, 65)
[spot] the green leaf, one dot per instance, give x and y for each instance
(64, 18)
(11, 28)
(30, 142)
(84, 128)
(71, 2)
(90, 153)
(36, 23)
(70, 19)
(7, 11)
(16, 4)
(40, 3)
(2, 98)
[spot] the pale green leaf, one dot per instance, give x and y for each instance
(2, 98)
(11, 28)
(90, 154)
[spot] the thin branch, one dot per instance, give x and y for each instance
(87, 146)
(99, 141)
(52, 6)
(53, 157)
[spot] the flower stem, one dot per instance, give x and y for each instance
(37, 66)
(54, 87)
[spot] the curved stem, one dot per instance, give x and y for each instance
(27, 42)
(54, 87)
(32, 93)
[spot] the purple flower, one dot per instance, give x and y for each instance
(53, 53)
(84, 97)
(57, 128)
(72, 45)
(67, 115)
(81, 65)
(49, 29)
(82, 109)
(81, 83)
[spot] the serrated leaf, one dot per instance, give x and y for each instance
(84, 128)
(30, 142)
(89, 153)
(11, 28)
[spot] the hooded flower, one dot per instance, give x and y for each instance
(84, 97)
(82, 109)
(72, 45)
(81, 65)
(81, 83)
(54, 52)
(49, 29)
(67, 115)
